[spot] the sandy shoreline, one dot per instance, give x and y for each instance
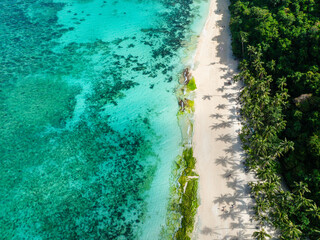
(225, 205)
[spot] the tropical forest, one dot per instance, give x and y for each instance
(278, 44)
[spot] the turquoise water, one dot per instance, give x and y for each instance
(88, 125)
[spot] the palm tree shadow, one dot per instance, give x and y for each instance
(221, 106)
(219, 23)
(223, 124)
(229, 214)
(240, 235)
(221, 89)
(226, 138)
(227, 95)
(222, 199)
(233, 100)
(228, 174)
(242, 207)
(207, 97)
(229, 198)
(208, 231)
(231, 150)
(228, 75)
(233, 117)
(238, 224)
(216, 115)
(240, 186)
(234, 110)
(223, 161)
(222, 44)
(225, 215)
(234, 184)
(217, 11)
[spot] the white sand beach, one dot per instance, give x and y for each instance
(225, 204)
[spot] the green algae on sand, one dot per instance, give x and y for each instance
(189, 201)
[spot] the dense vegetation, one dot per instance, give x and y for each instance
(189, 202)
(279, 44)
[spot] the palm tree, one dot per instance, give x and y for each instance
(314, 210)
(261, 206)
(280, 216)
(301, 188)
(261, 235)
(291, 231)
(244, 39)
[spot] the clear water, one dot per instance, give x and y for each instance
(88, 127)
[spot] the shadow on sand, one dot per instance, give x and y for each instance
(237, 206)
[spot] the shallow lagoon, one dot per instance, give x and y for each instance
(88, 125)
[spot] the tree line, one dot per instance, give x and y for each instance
(279, 44)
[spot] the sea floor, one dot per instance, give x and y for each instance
(88, 125)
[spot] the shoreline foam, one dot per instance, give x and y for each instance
(225, 209)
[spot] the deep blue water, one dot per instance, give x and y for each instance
(88, 127)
